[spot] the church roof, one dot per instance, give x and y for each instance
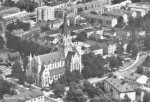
(57, 71)
(52, 57)
(65, 29)
(69, 55)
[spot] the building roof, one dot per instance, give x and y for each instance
(58, 3)
(51, 32)
(13, 55)
(89, 30)
(113, 13)
(142, 80)
(22, 97)
(70, 55)
(98, 17)
(75, 27)
(119, 85)
(122, 33)
(95, 47)
(146, 63)
(130, 75)
(57, 71)
(90, 42)
(52, 57)
(49, 38)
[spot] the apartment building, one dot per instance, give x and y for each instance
(45, 13)
(102, 20)
(118, 88)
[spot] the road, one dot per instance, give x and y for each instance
(137, 63)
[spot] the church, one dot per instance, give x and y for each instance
(51, 66)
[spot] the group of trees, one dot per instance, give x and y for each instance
(68, 77)
(82, 36)
(6, 88)
(24, 46)
(18, 71)
(28, 5)
(93, 66)
(18, 25)
(1, 43)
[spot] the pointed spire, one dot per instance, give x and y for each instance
(65, 29)
(30, 57)
(38, 60)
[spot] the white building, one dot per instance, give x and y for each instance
(45, 13)
(118, 89)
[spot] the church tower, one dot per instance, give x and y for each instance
(65, 38)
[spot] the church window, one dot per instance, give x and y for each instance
(61, 63)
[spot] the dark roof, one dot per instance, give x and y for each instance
(51, 32)
(22, 97)
(57, 71)
(76, 27)
(58, 2)
(49, 38)
(13, 55)
(52, 57)
(146, 63)
(69, 55)
(95, 47)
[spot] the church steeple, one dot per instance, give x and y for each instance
(65, 30)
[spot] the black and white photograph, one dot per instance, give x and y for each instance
(74, 50)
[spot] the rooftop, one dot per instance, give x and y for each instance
(119, 85)
(130, 75)
(146, 63)
(113, 13)
(22, 97)
(52, 57)
(97, 16)
(95, 47)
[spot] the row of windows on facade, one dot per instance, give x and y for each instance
(35, 99)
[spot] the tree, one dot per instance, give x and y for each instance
(140, 69)
(1, 43)
(30, 80)
(82, 36)
(9, 3)
(22, 78)
(146, 97)
(75, 95)
(120, 49)
(6, 87)
(17, 69)
(126, 99)
(59, 90)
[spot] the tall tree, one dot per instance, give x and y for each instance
(146, 97)
(59, 90)
(17, 69)
(126, 98)
(30, 80)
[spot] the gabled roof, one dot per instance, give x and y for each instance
(57, 71)
(13, 55)
(130, 75)
(27, 95)
(70, 55)
(146, 63)
(90, 42)
(95, 47)
(52, 57)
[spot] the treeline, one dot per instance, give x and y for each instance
(18, 25)
(24, 46)
(28, 5)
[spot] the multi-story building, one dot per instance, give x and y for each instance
(96, 49)
(45, 13)
(118, 88)
(103, 20)
(49, 67)
(117, 15)
(33, 95)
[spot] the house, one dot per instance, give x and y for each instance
(33, 95)
(19, 32)
(53, 40)
(116, 15)
(122, 34)
(8, 10)
(130, 77)
(102, 20)
(76, 28)
(14, 56)
(109, 32)
(96, 49)
(89, 43)
(118, 88)
(89, 32)
(52, 33)
(146, 65)
(108, 47)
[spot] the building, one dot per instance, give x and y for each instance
(15, 15)
(102, 20)
(49, 67)
(117, 15)
(45, 13)
(118, 89)
(96, 49)
(140, 12)
(8, 10)
(33, 95)
(146, 65)
(19, 32)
